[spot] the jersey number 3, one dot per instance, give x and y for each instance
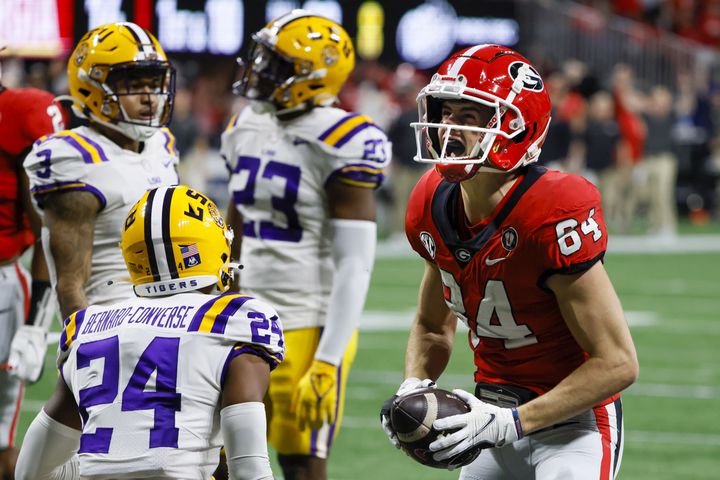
(161, 355)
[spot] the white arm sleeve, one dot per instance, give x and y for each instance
(48, 451)
(353, 249)
(244, 433)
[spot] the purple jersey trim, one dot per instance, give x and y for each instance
(78, 317)
(222, 318)
(41, 190)
(330, 130)
(348, 136)
(243, 348)
(99, 149)
(198, 318)
(359, 174)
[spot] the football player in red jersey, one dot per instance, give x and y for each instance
(515, 251)
(26, 306)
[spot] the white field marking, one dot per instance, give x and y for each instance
(400, 321)
(53, 338)
(617, 244)
(704, 392)
(387, 377)
(632, 437)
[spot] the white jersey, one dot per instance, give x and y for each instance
(279, 171)
(147, 375)
(83, 159)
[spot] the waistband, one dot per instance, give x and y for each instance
(502, 395)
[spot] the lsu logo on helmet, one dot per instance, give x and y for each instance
(175, 240)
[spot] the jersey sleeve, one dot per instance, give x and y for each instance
(246, 324)
(572, 236)
(61, 162)
(360, 150)
(418, 214)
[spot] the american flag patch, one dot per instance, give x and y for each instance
(190, 255)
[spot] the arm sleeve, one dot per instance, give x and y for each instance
(48, 451)
(353, 248)
(243, 428)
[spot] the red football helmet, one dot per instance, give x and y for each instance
(497, 78)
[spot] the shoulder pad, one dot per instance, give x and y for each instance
(344, 134)
(241, 319)
(61, 161)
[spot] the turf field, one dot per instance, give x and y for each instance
(672, 414)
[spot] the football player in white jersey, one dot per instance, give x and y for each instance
(84, 180)
(151, 387)
(302, 179)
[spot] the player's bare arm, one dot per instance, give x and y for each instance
(70, 218)
(433, 331)
(62, 408)
(593, 313)
(247, 380)
(242, 417)
(349, 202)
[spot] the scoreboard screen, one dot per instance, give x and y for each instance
(421, 32)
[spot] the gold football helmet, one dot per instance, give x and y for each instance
(175, 240)
(106, 64)
(298, 61)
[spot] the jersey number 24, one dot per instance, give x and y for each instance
(161, 355)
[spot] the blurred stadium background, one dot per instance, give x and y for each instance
(636, 93)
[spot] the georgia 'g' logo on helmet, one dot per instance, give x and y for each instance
(175, 240)
(531, 79)
(298, 61)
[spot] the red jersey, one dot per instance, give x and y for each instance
(494, 274)
(26, 114)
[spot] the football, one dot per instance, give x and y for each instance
(412, 417)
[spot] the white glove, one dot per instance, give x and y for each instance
(408, 386)
(484, 425)
(27, 353)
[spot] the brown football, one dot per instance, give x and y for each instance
(412, 417)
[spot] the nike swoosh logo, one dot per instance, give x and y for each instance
(490, 420)
(492, 261)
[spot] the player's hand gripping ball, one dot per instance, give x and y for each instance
(412, 417)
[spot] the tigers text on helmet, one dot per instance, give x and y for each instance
(496, 79)
(175, 240)
(298, 61)
(106, 62)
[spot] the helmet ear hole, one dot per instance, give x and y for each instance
(521, 136)
(530, 131)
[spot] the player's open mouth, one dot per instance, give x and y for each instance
(455, 148)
